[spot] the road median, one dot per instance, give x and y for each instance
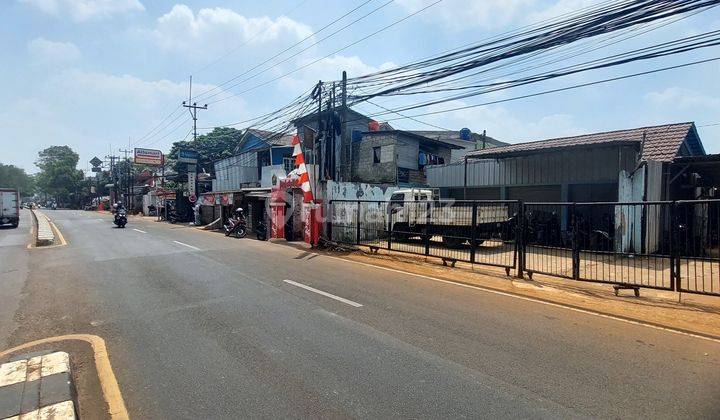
(37, 386)
(44, 233)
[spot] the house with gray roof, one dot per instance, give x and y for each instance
(466, 140)
(584, 168)
(258, 156)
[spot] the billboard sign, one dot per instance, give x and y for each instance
(148, 156)
(187, 156)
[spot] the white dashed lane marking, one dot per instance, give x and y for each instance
(326, 294)
(189, 246)
(138, 230)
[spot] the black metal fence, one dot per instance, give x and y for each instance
(661, 245)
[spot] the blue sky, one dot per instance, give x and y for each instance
(98, 75)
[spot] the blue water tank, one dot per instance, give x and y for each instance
(465, 134)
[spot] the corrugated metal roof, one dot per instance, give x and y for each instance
(272, 138)
(662, 142)
(454, 137)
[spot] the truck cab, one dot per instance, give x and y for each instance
(9, 207)
(419, 212)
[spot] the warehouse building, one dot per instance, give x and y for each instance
(622, 165)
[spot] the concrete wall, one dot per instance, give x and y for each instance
(407, 153)
(344, 214)
(364, 167)
(268, 172)
(358, 191)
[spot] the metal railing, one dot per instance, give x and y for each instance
(661, 245)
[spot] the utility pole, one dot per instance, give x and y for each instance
(343, 127)
(128, 177)
(193, 108)
(114, 176)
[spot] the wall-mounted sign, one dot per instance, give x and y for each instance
(148, 156)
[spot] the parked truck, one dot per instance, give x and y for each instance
(9, 207)
(419, 212)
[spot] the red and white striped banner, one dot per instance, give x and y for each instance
(302, 170)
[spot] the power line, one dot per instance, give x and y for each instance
(257, 34)
(384, 28)
(286, 49)
(299, 52)
(612, 79)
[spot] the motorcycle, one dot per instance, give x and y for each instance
(237, 226)
(260, 230)
(120, 218)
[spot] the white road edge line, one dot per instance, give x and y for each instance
(326, 294)
(138, 230)
(529, 299)
(189, 246)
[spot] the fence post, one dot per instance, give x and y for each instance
(575, 243)
(427, 226)
(357, 222)
(390, 226)
(520, 239)
(473, 232)
(674, 254)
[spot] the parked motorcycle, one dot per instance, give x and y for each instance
(120, 218)
(236, 226)
(260, 230)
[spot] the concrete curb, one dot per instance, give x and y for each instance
(44, 233)
(37, 386)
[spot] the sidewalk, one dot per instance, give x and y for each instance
(697, 314)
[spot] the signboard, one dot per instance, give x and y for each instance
(187, 156)
(95, 162)
(96, 169)
(148, 156)
(208, 199)
(191, 183)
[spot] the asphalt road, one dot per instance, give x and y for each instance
(203, 326)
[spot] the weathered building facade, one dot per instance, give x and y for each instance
(582, 168)
(396, 157)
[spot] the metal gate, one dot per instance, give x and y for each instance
(660, 245)
(479, 232)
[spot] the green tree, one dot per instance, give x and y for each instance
(13, 177)
(58, 175)
(215, 145)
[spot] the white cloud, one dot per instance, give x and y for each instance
(211, 30)
(82, 10)
(329, 68)
(89, 110)
(681, 98)
(461, 14)
(500, 123)
(123, 88)
(53, 52)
